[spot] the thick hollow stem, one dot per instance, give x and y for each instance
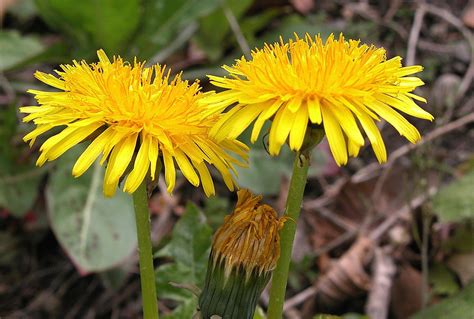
(147, 271)
(287, 235)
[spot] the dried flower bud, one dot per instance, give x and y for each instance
(245, 250)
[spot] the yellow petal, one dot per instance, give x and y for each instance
(120, 159)
(299, 129)
(335, 137)
(170, 171)
(294, 104)
(206, 178)
(140, 168)
(63, 143)
(347, 122)
(265, 115)
(396, 120)
(92, 152)
(244, 117)
(186, 168)
(153, 150)
(280, 129)
(314, 110)
(374, 136)
(404, 104)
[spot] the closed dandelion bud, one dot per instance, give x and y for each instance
(245, 250)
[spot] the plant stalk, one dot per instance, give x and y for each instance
(147, 270)
(287, 235)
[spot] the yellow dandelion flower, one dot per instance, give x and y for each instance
(133, 114)
(342, 85)
(245, 250)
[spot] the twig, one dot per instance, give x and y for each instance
(370, 170)
(234, 25)
(335, 219)
(414, 35)
(378, 232)
(299, 298)
(458, 24)
(379, 296)
(342, 239)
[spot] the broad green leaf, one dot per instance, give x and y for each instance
(18, 192)
(462, 239)
(189, 248)
(455, 202)
(460, 306)
(264, 173)
(97, 233)
(164, 19)
(443, 280)
(93, 24)
(16, 49)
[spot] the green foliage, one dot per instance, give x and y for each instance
(93, 24)
(460, 306)
(18, 192)
(214, 28)
(264, 174)
(97, 233)
(184, 311)
(443, 280)
(162, 20)
(189, 248)
(17, 49)
(455, 201)
(215, 209)
(462, 240)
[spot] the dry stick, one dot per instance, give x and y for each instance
(234, 25)
(458, 24)
(379, 296)
(388, 223)
(414, 35)
(365, 11)
(411, 54)
(368, 171)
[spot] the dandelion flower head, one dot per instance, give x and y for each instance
(133, 114)
(345, 86)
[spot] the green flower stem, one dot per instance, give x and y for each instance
(287, 235)
(147, 271)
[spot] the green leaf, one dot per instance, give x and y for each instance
(460, 306)
(214, 28)
(97, 233)
(443, 280)
(18, 192)
(462, 239)
(455, 202)
(264, 173)
(164, 19)
(184, 311)
(93, 24)
(16, 49)
(189, 247)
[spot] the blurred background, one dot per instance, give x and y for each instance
(392, 241)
